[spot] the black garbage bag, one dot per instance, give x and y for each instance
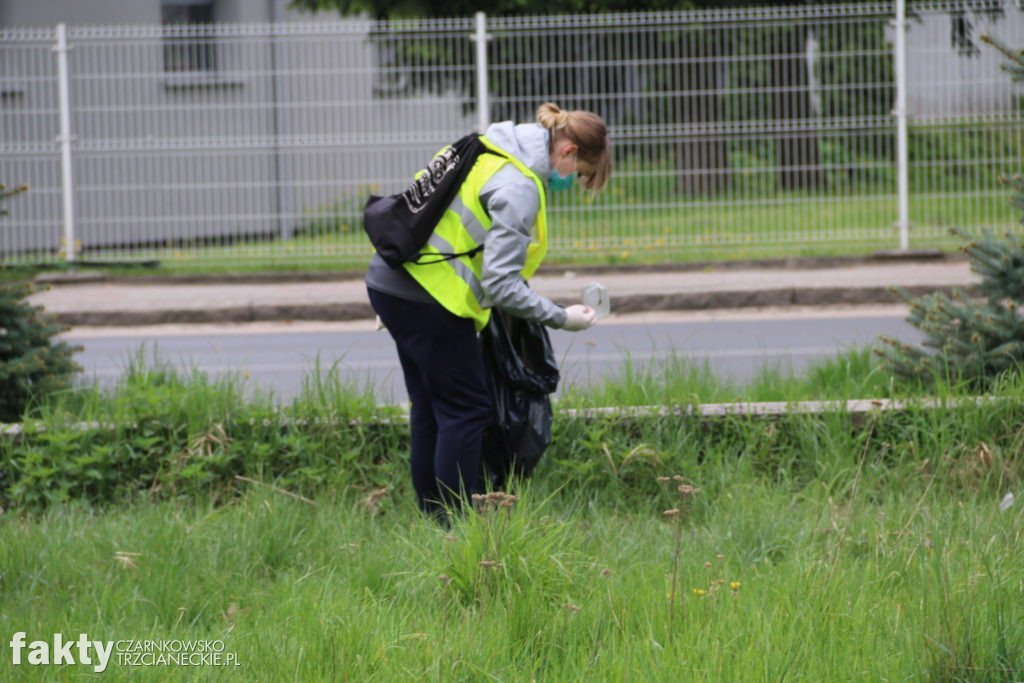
(522, 371)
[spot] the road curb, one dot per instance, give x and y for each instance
(630, 303)
(742, 409)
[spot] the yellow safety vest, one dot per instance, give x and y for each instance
(455, 283)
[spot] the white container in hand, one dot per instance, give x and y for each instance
(596, 296)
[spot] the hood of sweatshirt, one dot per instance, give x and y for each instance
(527, 142)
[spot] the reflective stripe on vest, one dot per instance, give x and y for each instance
(455, 283)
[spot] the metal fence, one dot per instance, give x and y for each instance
(783, 129)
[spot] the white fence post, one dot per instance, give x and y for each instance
(902, 161)
(483, 106)
(64, 138)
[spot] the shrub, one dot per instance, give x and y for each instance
(31, 364)
(973, 341)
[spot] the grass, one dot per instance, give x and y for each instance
(873, 571)
(678, 380)
(624, 227)
(633, 231)
(821, 547)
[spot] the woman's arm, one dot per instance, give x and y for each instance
(512, 202)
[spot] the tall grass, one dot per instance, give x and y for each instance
(869, 571)
(679, 380)
(812, 547)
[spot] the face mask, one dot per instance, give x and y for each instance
(558, 182)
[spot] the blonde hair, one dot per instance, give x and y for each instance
(588, 132)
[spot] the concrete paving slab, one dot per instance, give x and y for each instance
(120, 303)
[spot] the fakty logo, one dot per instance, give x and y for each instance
(39, 651)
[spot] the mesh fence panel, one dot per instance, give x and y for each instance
(735, 131)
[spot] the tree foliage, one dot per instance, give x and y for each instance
(31, 363)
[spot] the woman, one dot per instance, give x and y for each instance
(434, 309)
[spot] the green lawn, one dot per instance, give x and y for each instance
(816, 547)
(627, 228)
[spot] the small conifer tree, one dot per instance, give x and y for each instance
(31, 363)
(971, 340)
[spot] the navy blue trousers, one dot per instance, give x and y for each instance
(451, 405)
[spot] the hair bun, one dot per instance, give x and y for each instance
(551, 116)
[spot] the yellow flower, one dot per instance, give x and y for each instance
(735, 585)
(699, 591)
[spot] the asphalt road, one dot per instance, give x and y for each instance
(278, 356)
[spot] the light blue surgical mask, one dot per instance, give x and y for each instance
(558, 182)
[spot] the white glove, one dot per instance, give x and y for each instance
(579, 318)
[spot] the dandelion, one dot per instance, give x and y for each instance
(735, 585)
(699, 591)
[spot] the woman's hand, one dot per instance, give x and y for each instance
(579, 318)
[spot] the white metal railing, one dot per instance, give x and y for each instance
(737, 130)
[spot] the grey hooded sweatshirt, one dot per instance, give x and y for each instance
(512, 202)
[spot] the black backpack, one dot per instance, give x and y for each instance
(400, 224)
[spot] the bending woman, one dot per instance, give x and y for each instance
(435, 310)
